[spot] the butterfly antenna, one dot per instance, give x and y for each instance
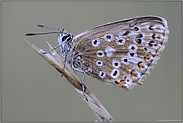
(32, 34)
(49, 27)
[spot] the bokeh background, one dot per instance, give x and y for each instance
(32, 90)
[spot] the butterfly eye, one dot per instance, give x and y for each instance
(65, 36)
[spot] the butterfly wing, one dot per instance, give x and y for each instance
(122, 52)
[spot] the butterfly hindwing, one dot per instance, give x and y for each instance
(122, 52)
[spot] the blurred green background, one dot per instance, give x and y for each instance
(32, 90)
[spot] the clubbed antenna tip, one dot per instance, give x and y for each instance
(40, 25)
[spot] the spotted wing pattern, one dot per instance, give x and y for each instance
(122, 52)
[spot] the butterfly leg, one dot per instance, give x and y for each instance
(53, 49)
(59, 50)
(65, 57)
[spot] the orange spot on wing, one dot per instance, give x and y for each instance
(146, 57)
(133, 72)
(122, 82)
(140, 64)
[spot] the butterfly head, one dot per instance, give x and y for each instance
(64, 37)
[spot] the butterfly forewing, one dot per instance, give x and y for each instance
(122, 52)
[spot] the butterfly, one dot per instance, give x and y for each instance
(120, 53)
